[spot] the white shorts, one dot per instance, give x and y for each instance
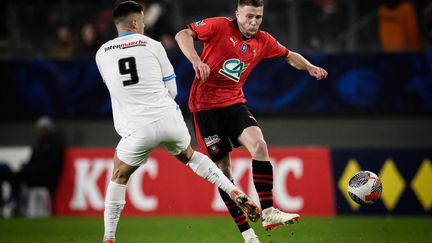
(170, 131)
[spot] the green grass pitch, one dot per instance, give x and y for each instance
(218, 229)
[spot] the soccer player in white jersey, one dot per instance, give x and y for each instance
(142, 85)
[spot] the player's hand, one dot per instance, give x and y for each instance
(317, 72)
(202, 70)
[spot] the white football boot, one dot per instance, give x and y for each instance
(274, 218)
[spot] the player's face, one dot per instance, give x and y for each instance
(249, 19)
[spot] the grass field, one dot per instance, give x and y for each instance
(217, 229)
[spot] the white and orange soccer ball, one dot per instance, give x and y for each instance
(365, 187)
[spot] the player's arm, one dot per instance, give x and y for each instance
(185, 40)
(299, 62)
(171, 85)
(169, 77)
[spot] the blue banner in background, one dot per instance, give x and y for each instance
(356, 84)
(56, 88)
(406, 176)
(363, 84)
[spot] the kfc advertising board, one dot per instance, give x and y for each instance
(164, 186)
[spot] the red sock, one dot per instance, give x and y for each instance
(236, 213)
(262, 172)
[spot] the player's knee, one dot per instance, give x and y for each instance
(186, 155)
(120, 177)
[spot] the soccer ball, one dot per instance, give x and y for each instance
(365, 188)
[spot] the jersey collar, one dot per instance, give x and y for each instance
(126, 33)
(237, 27)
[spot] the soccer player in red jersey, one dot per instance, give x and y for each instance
(232, 48)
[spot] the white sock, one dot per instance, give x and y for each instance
(114, 203)
(204, 167)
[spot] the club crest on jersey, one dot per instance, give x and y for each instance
(232, 69)
(243, 48)
(214, 149)
(198, 23)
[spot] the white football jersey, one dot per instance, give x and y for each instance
(134, 68)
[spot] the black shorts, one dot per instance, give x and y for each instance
(217, 130)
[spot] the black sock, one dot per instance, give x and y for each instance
(236, 213)
(262, 172)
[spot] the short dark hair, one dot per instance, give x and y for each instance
(124, 9)
(255, 3)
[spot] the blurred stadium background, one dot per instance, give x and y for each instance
(372, 112)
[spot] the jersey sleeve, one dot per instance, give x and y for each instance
(205, 29)
(273, 48)
(97, 60)
(166, 66)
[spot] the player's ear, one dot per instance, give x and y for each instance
(237, 14)
(133, 23)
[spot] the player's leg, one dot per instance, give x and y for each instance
(205, 168)
(262, 170)
(131, 152)
(238, 215)
(176, 139)
(208, 127)
(115, 197)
